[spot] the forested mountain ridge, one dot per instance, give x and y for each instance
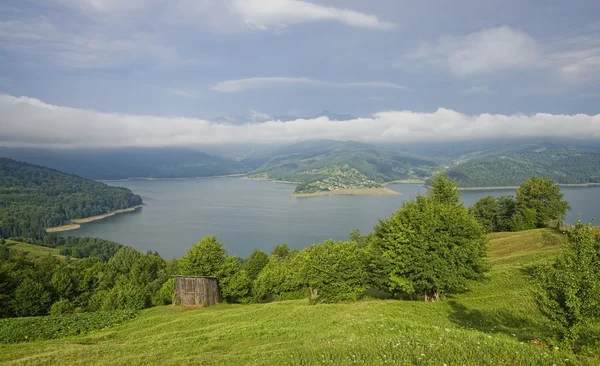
(33, 198)
(124, 163)
(311, 161)
(562, 164)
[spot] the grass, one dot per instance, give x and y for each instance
(32, 251)
(496, 322)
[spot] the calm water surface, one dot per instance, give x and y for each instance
(247, 214)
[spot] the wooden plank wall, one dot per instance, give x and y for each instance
(196, 291)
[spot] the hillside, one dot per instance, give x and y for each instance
(33, 198)
(314, 161)
(123, 163)
(510, 167)
(495, 323)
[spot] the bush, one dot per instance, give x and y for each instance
(62, 307)
(569, 291)
(51, 327)
(164, 296)
(31, 299)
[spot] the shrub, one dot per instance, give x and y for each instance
(204, 259)
(61, 307)
(164, 296)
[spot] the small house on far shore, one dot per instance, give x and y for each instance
(197, 291)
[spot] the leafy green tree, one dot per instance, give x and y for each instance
(507, 208)
(124, 260)
(569, 290)
(125, 295)
(255, 263)
(543, 196)
(486, 212)
(234, 281)
(2, 241)
(31, 299)
(281, 251)
(204, 259)
(334, 271)
(444, 190)
(164, 296)
(63, 283)
(524, 220)
(434, 245)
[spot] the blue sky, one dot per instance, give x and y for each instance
(201, 59)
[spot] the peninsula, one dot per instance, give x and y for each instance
(76, 223)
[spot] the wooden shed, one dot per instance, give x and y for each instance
(196, 291)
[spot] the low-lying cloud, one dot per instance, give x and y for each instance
(237, 85)
(30, 122)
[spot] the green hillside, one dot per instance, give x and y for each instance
(511, 167)
(33, 198)
(496, 323)
(313, 161)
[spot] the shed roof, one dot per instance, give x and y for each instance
(216, 278)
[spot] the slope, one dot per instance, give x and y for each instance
(495, 323)
(123, 163)
(511, 167)
(311, 161)
(33, 198)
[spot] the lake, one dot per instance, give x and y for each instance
(246, 214)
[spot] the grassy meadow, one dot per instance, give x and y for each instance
(495, 322)
(32, 251)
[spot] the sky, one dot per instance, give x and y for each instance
(162, 72)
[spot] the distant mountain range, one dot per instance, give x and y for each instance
(476, 163)
(258, 117)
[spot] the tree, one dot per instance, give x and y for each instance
(281, 251)
(543, 196)
(63, 283)
(124, 260)
(204, 259)
(507, 207)
(569, 290)
(486, 212)
(444, 190)
(31, 299)
(234, 281)
(334, 271)
(434, 245)
(255, 263)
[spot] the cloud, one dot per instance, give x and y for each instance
(41, 39)
(481, 53)
(265, 14)
(30, 122)
(574, 60)
(183, 93)
(232, 86)
(477, 89)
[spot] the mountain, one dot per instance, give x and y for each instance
(510, 167)
(123, 163)
(33, 198)
(311, 161)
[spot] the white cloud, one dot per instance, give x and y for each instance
(183, 93)
(31, 122)
(574, 60)
(264, 14)
(483, 52)
(231, 86)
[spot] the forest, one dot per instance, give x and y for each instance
(509, 168)
(33, 198)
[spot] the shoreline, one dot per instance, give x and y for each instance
(515, 187)
(383, 191)
(177, 178)
(271, 180)
(76, 223)
(405, 181)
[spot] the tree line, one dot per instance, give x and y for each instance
(33, 198)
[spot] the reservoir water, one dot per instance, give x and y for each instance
(246, 214)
